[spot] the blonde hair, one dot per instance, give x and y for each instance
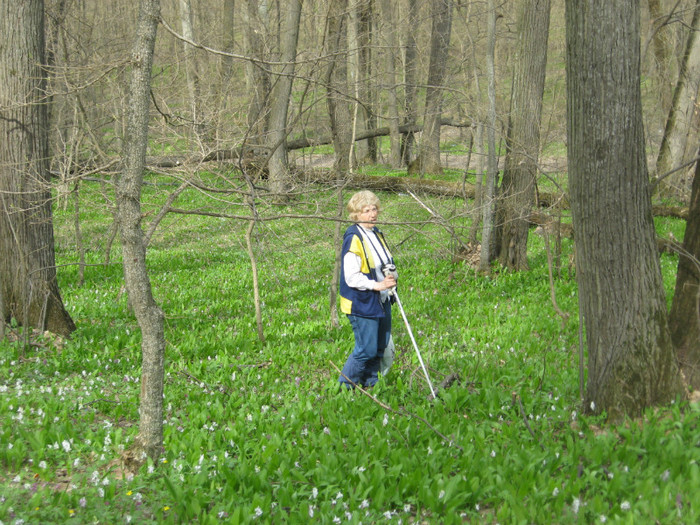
(360, 200)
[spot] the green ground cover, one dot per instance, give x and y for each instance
(258, 432)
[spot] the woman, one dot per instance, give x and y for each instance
(364, 290)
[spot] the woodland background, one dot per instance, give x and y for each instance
(222, 138)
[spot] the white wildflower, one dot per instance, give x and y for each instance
(575, 505)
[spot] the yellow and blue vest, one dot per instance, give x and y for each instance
(365, 303)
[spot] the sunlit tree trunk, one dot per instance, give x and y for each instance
(138, 285)
(679, 124)
(437, 69)
(281, 94)
(27, 259)
(631, 362)
(517, 195)
(684, 319)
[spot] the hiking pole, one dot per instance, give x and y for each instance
(388, 268)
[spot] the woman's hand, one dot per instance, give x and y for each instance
(388, 282)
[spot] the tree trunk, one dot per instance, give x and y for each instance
(365, 78)
(281, 95)
(337, 84)
(393, 105)
(227, 40)
(339, 113)
(27, 259)
(672, 153)
(191, 68)
(684, 319)
(257, 77)
(477, 213)
(138, 285)
(517, 196)
(429, 160)
(355, 88)
(411, 88)
(663, 56)
(631, 364)
(492, 168)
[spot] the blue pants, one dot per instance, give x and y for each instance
(371, 338)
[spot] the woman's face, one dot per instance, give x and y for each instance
(368, 216)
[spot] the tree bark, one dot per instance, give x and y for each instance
(148, 314)
(662, 63)
(517, 192)
(393, 105)
(410, 82)
(191, 66)
(631, 363)
(677, 133)
(366, 91)
(488, 189)
(227, 40)
(429, 160)
(684, 319)
(27, 258)
(337, 85)
(339, 113)
(281, 94)
(257, 77)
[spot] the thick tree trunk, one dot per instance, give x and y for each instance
(281, 94)
(429, 160)
(677, 133)
(148, 314)
(631, 363)
(517, 195)
(27, 259)
(684, 319)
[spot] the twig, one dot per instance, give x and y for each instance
(524, 416)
